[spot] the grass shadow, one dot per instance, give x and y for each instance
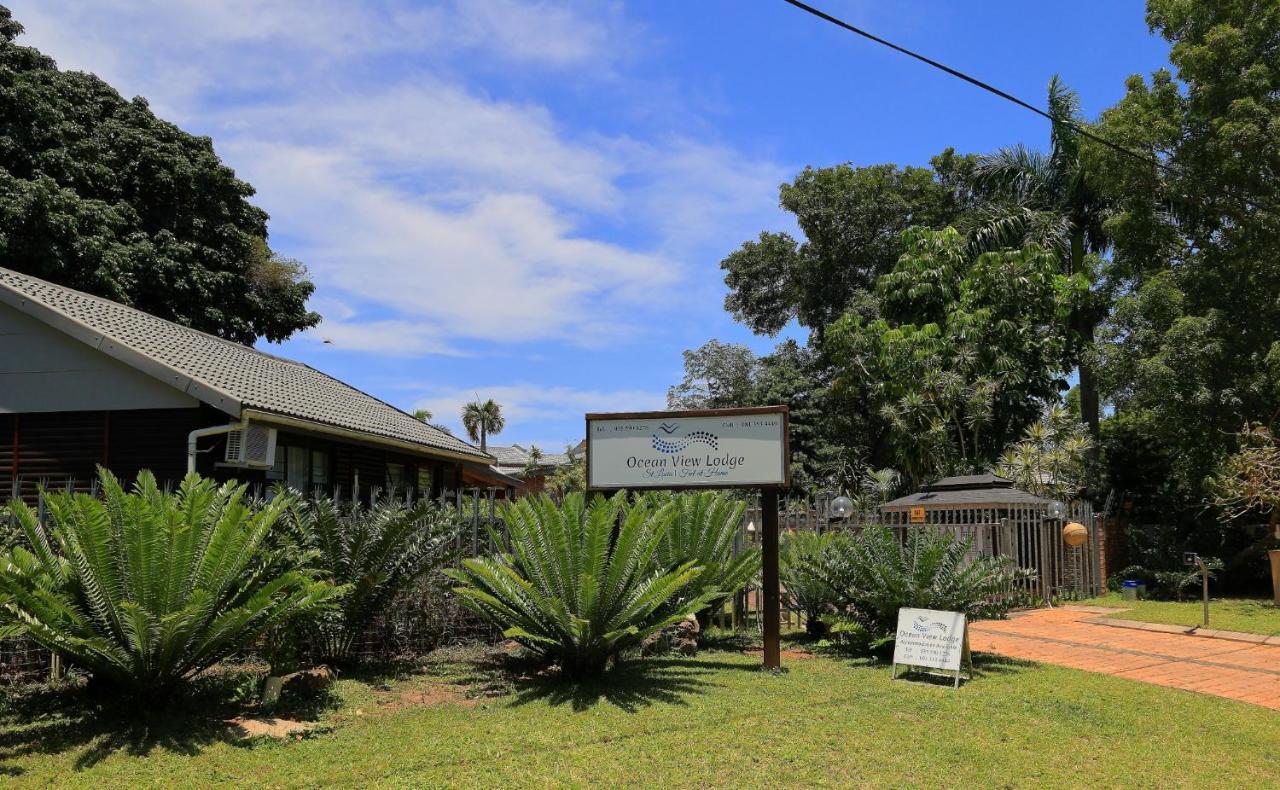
(984, 665)
(72, 717)
(629, 686)
(996, 664)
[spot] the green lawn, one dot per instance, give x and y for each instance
(711, 721)
(1251, 615)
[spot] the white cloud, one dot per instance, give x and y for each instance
(557, 34)
(174, 49)
(525, 405)
(406, 188)
(507, 267)
(437, 138)
(386, 337)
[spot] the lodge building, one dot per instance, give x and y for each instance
(86, 381)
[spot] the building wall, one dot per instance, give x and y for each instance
(57, 449)
(44, 370)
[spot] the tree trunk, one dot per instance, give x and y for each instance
(483, 444)
(1089, 406)
(1083, 323)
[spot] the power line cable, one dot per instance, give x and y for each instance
(1083, 131)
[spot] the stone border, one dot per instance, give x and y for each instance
(1166, 628)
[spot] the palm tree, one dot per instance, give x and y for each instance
(535, 461)
(481, 420)
(423, 415)
(1049, 199)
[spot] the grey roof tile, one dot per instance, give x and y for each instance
(508, 456)
(967, 497)
(209, 367)
(517, 457)
(969, 481)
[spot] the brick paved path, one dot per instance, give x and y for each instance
(1237, 670)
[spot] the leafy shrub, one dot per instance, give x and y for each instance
(1136, 573)
(423, 617)
(578, 583)
(875, 573)
(703, 531)
(803, 570)
(147, 588)
(1169, 584)
(376, 552)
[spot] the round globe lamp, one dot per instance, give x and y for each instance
(841, 507)
(1074, 534)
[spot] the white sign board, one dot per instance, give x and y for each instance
(929, 638)
(723, 448)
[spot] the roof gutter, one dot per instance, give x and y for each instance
(360, 436)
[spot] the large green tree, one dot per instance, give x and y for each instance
(966, 352)
(1191, 351)
(1051, 200)
(852, 219)
(721, 375)
(716, 375)
(99, 194)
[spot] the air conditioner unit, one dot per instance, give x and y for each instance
(254, 447)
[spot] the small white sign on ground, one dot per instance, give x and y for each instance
(929, 638)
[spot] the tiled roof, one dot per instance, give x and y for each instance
(969, 481)
(226, 375)
(514, 459)
(965, 497)
(508, 456)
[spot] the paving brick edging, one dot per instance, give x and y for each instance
(1072, 636)
(1165, 628)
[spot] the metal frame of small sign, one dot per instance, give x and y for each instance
(966, 659)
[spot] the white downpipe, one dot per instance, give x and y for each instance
(215, 430)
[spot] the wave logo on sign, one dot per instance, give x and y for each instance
(922, 625)
(672, 444)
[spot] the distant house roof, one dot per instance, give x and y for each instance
(966, 491)
(508, 456)
(232, 378)
(515, 459)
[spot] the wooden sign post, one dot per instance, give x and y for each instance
(712, 448)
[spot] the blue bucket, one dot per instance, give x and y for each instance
(1132, 590)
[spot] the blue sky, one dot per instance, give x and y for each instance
(528, 200)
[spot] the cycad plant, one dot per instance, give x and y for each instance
(377, 552)
(803, 561)
(877, 572)
(578, 583)
(703, 531)
(146, 588)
